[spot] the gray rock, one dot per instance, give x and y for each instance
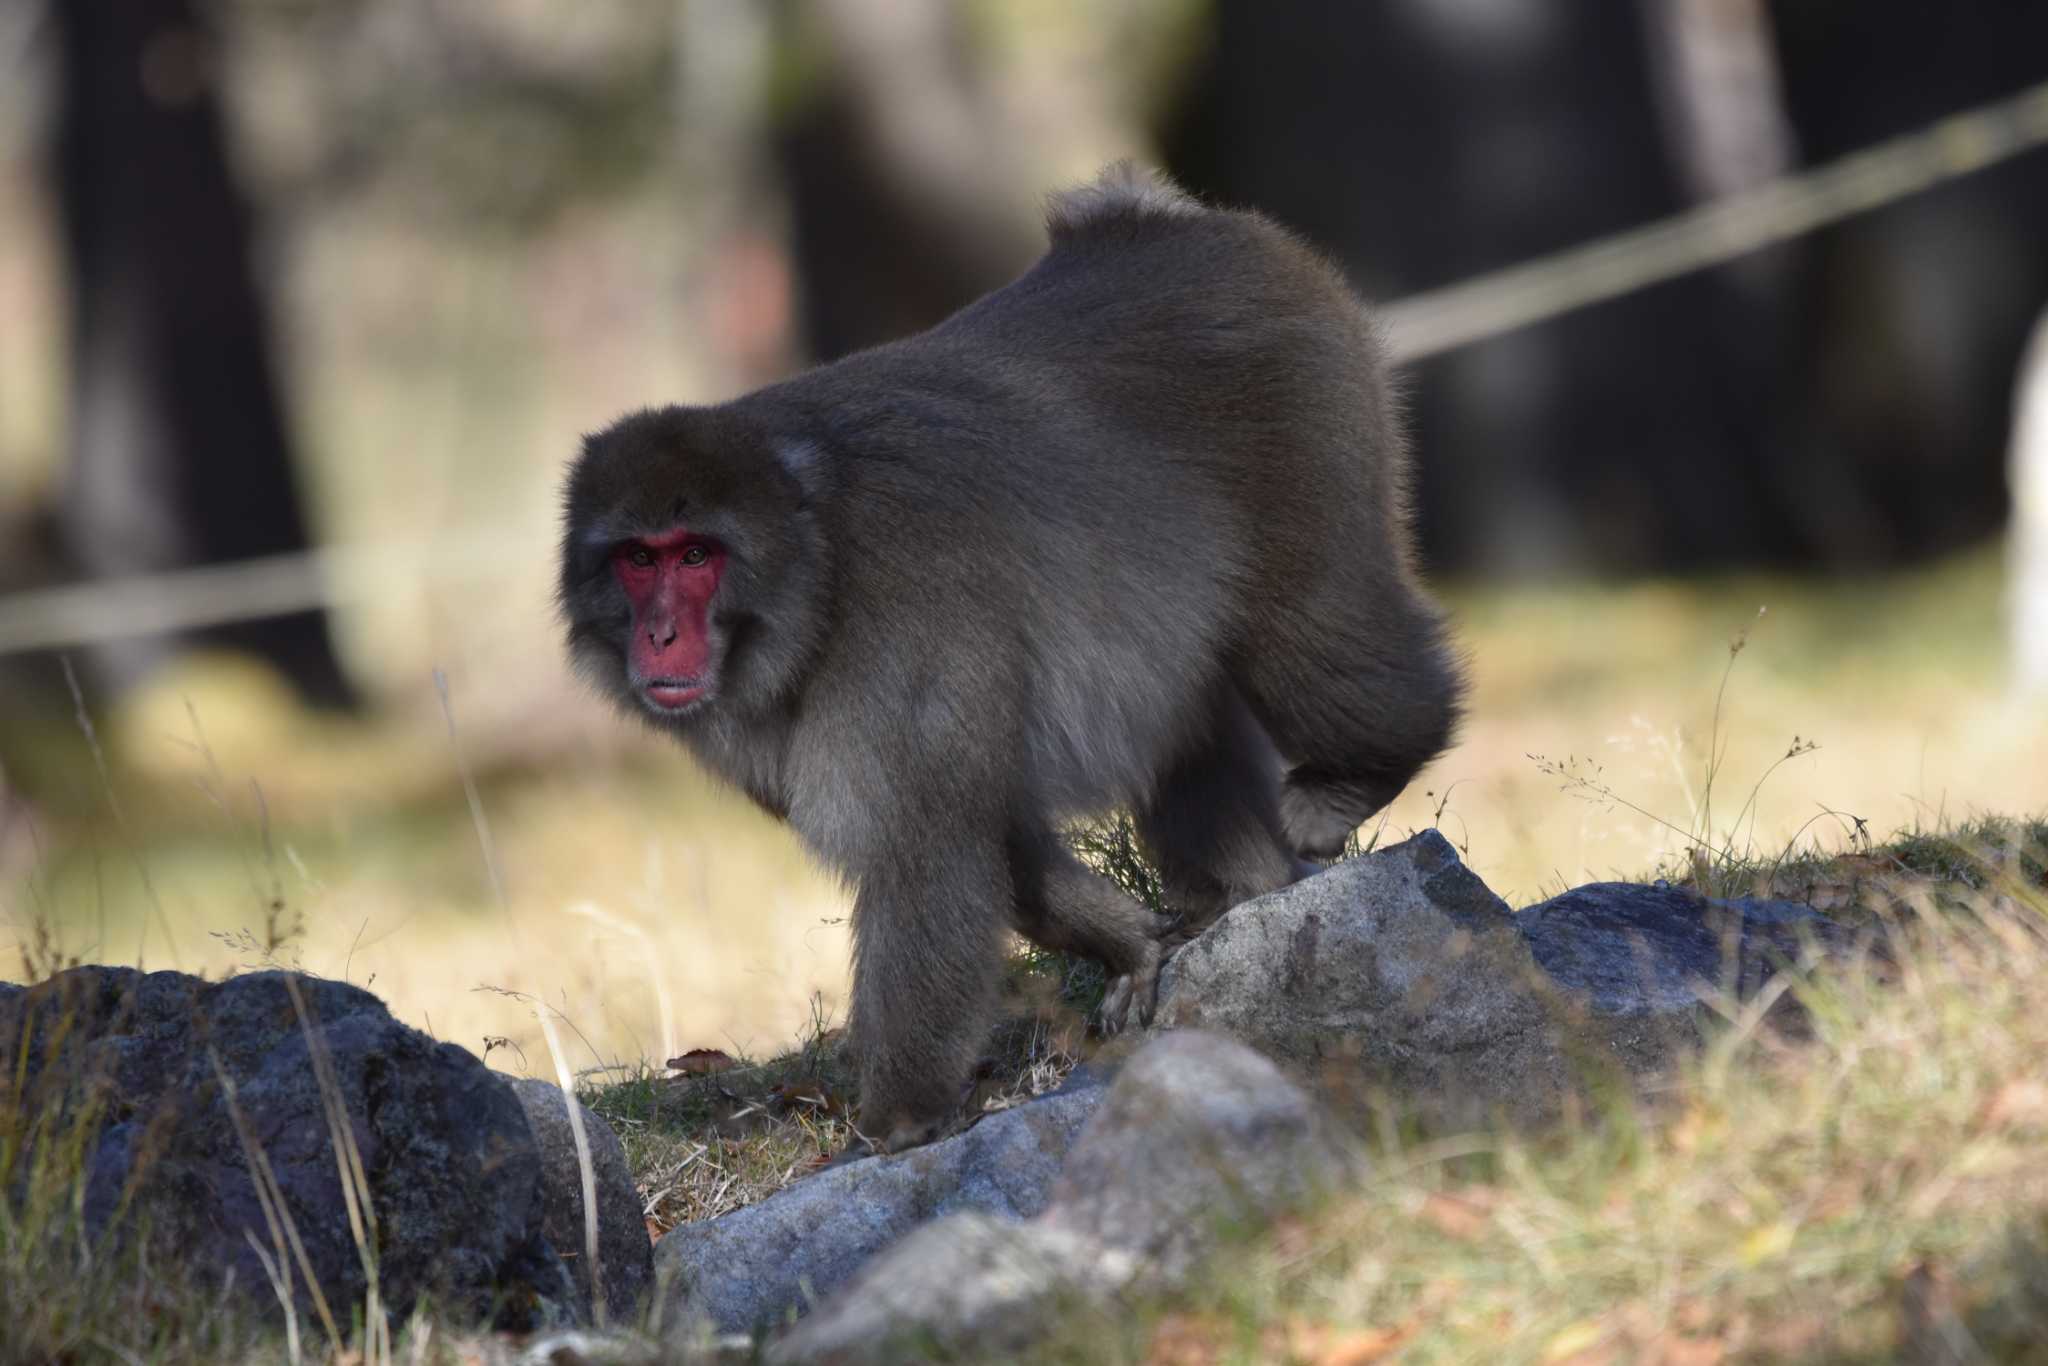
(969, 1287)
(759, 1266)
(1199, 1137)
(449, 1160)
(586, 1348)
(625, 1254)
(581, 1347)
(1398, 971)
(1629, 949)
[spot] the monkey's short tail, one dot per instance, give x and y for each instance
(1123, 191)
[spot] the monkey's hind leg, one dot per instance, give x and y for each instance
(1212, 824)
(1360, 700)
(1061, 905)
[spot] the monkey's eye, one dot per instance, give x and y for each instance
(695, 555)
(640, 557)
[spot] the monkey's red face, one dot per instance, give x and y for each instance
(670, 580)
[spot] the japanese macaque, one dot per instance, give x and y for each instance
(1127, 533)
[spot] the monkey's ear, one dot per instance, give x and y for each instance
(588, 548)
(803, 460)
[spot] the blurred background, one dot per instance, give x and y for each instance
(325, 292)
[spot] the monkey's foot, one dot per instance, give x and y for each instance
(1138, 987)
(1318, 814)
(1315, 831)
(855, 1149)
(902, 1138)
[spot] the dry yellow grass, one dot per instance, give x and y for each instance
(654, 913)
(1899, 679)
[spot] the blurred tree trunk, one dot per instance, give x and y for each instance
(1425, 143)
(1838, 401)
(1912, 320)
(179, 450)
(906, 201)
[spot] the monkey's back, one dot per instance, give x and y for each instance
(1167, 367)
(1115, 472)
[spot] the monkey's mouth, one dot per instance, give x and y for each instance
(674, 694)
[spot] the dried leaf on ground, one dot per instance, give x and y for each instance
(1189, 1340)
(1462, 1214)
(1319, 1344)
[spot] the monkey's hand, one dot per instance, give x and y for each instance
(855, 1149)
(903, 1139)
(1138, 987)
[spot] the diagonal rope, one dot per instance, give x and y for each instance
(1536, 291)
(242, 590)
